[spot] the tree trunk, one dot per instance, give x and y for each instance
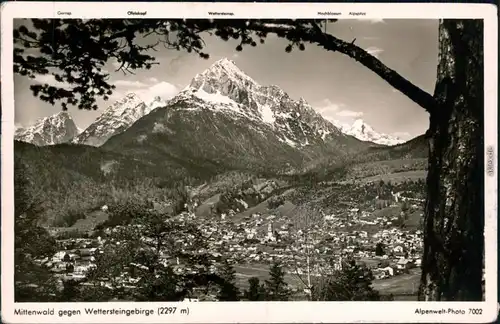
(452, 263)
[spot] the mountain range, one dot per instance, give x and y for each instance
(221, 129)
(116, 118)
(365, 132)
(222, 121)
(221, 87)
(55, 129)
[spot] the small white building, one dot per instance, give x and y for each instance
(398, 249)
(388, 270)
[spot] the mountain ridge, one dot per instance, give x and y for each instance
(223, 82)
(116, 118)
(227, 119)
(363, 131)
(224, 120)
(51, 130)
(227, 86)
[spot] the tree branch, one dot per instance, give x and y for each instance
(188, 38)
(332, 43)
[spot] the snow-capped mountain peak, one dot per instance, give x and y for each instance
(224, 111)
(124, 105)
(224, 87)
(156, 102)
(55, 129)
(227, 67)
(359, 126)
(224, 73)
(365, 132)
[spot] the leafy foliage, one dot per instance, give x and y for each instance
(144, 253)
(275, 202)
(379, 249)
(276, 287)
(70, 291)
(33, 281)
(76, 51)
(256, 290)
(180, 197)
(351, 283)
(228, 290)
(125, 212)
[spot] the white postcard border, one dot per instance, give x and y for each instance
(252, 312)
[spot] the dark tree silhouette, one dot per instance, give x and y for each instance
(452, 264)
(228, 290)
(66, 258)
(379, 249)
(256, 291)
(180, 197)
(70, 292)
(33, 281)
(136, 252)
(276, 287)
(75, 52)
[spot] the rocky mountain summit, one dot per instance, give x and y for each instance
(55, 129)
(295, 122)
(117, 118)
(225, 119)
(365, 132)
(225, 89)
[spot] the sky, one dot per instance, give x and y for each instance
(335, 85)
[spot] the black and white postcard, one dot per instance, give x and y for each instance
(250, 163)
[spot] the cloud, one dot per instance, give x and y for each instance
(331, 110)
(176, 63)
(130, 84)
(236, 55)
(51, 81)
(146, 89)
(115, 64)
(375, 51)
(349, 113)
(337, 113)
(402, 135)
(328, 106)
(372, 20)
(163, 89)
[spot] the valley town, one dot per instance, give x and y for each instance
(384, 234)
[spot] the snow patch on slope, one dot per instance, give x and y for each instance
(215, 98)
(288, 141)
(267, 114)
